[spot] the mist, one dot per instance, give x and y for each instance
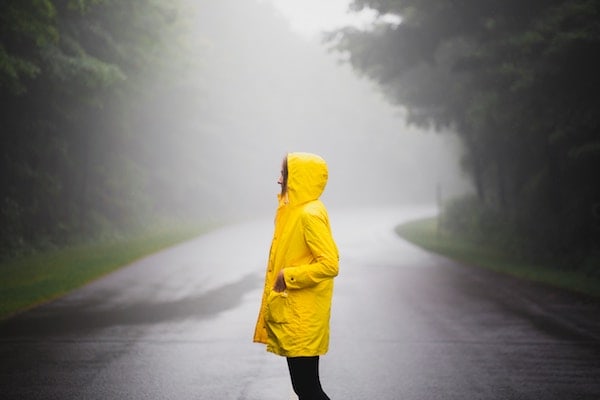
(250, 90)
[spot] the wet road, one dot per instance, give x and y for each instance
(406, 324)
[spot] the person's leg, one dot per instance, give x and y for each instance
(304, 373)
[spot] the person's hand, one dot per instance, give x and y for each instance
(280, 283)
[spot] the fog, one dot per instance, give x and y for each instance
(250, 90)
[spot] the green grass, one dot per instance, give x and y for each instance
(32, 280)
(425, 234)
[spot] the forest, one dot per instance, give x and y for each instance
(519, 83)
(86, 145)
(121, 118)
(74, 75)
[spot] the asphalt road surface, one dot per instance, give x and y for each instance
(406, 324)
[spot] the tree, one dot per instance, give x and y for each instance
(71, 71)
(518, 82)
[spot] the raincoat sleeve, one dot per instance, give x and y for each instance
(319, 240)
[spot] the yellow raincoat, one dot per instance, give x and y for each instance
(295, 323)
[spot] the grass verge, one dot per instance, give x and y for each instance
(424, 233)
(32, 280)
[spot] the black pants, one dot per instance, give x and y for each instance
(304, 372)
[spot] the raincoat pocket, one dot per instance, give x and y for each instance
(278, 307)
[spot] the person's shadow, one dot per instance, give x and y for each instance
(59, 320)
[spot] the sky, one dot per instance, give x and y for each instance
(310, 17)
(255, 88)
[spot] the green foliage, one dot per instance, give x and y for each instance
(83, 5)
(72, 73)
(490, 255)
(26, 26)
(519, 82)
(13, 69)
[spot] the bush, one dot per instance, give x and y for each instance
(527, 238)
(471, 219)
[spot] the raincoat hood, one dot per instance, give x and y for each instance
(307, 177)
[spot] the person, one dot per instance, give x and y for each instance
(293, 320)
